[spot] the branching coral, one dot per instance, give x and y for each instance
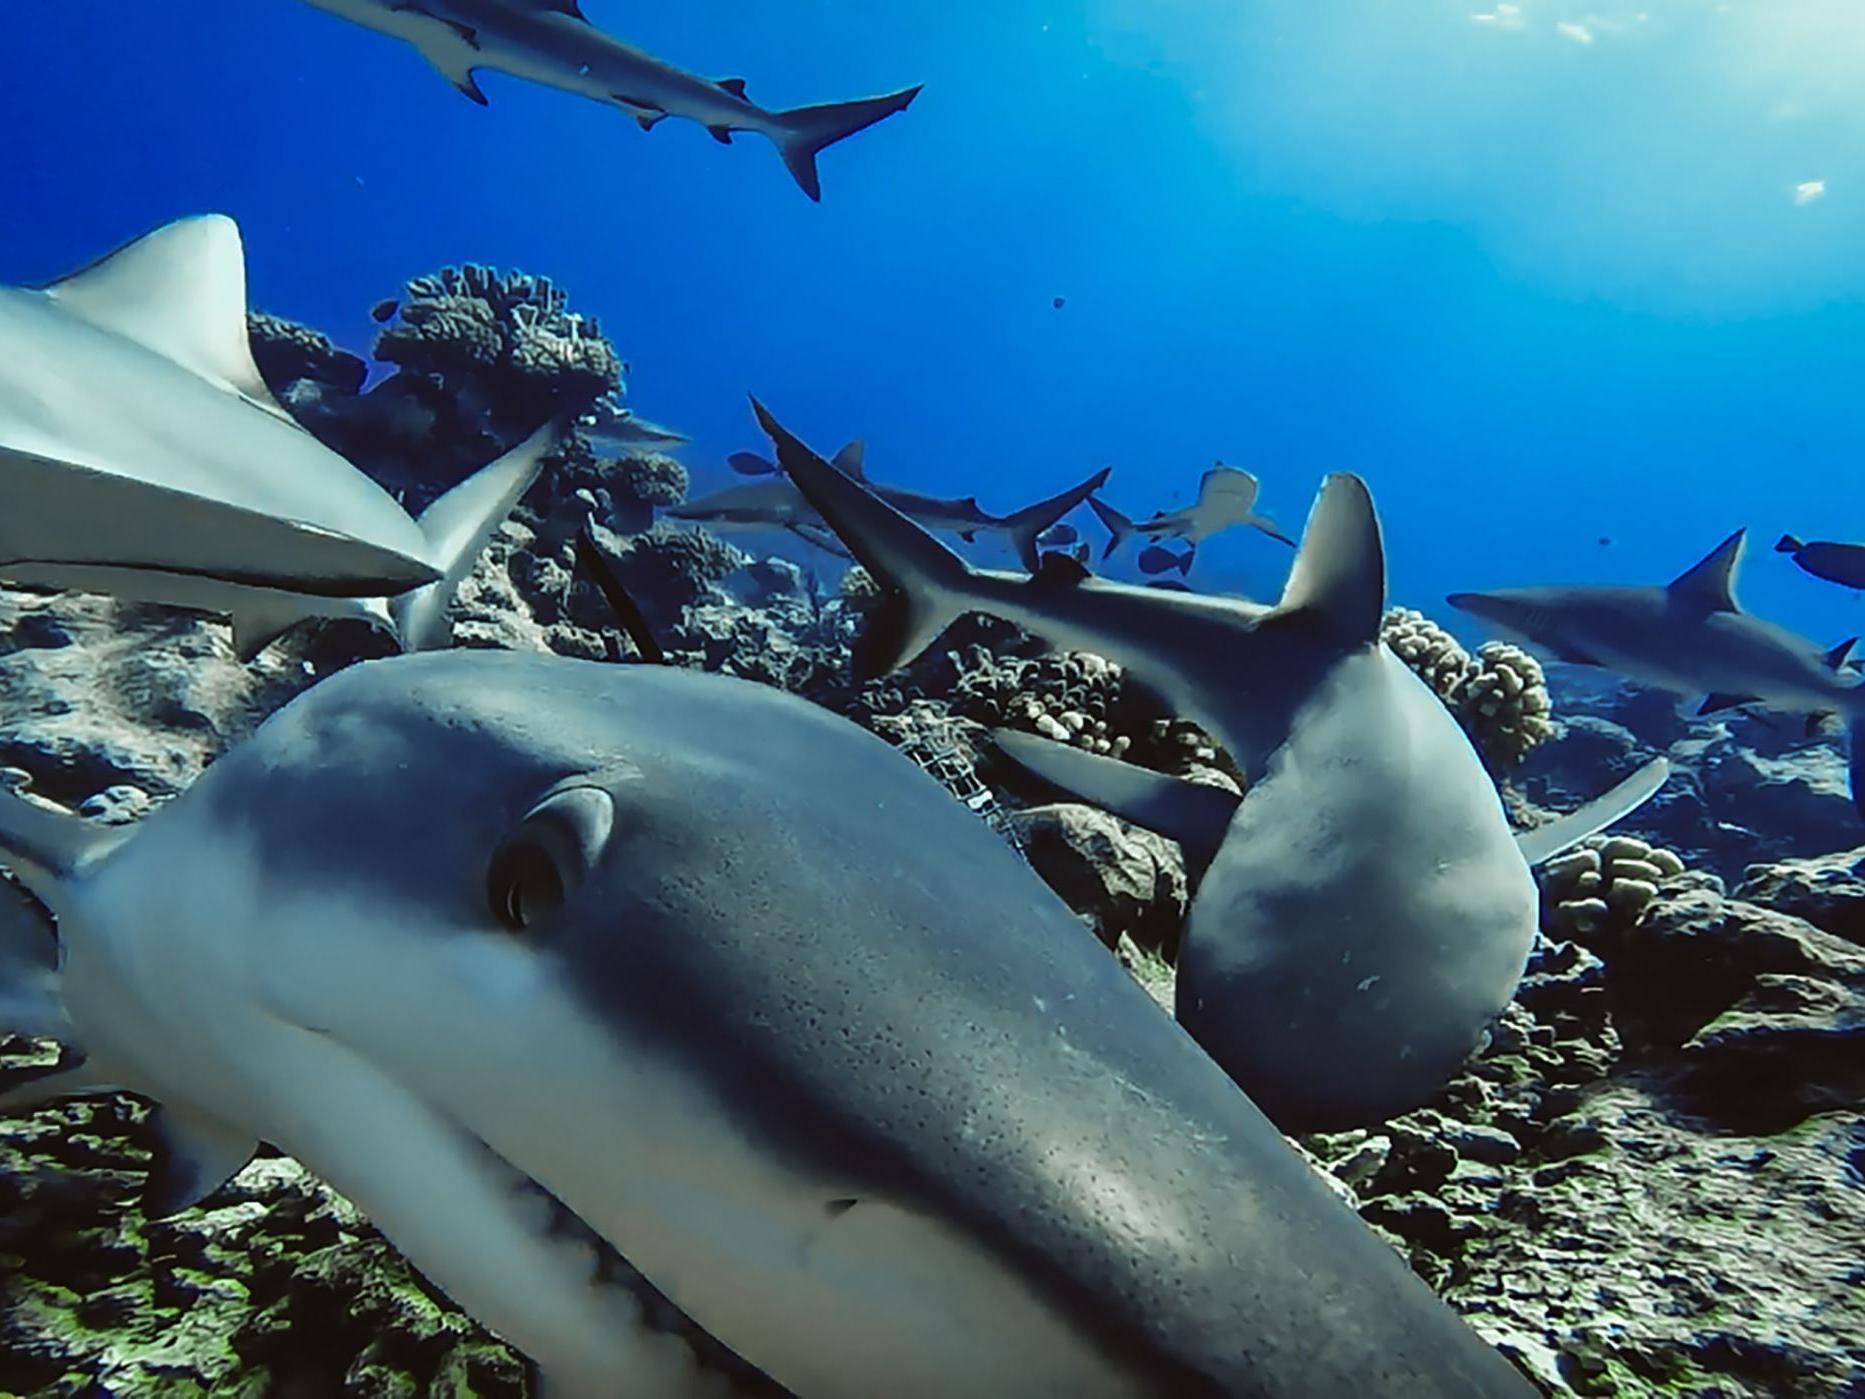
(1499, 695)
(1607, 882)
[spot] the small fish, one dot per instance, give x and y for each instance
(1059, 302)
(1843, 564)
(384, 310)
(1156, 558)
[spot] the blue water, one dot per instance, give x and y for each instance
(1546, 280)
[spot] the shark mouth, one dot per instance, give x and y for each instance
(608, 1268)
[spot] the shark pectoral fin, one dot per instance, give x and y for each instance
(819, 538)
(181, 292)
(647, 121)
(1709, 585)
(452, 49)
(459, 525)
(263, 618)
(43, 848)
(1714, 703)
(1268, 527)
(1339, 574)
(721, 134)
(1195, 815)
(198, 1155)
(42, 1088)
(1545, 842)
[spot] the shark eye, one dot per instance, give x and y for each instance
(548, 856)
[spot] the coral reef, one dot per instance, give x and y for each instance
(1499, 695)
(1607, 881)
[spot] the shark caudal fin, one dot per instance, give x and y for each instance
(923, 583)
(1119, 528)
(1027, 524)
(802, 133)
(458, 527)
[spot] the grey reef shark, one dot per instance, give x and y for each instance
(616, 431)
(775, 503)
(551, 43)
(1690, 637)
(1226, 499)
(697, 1042)
(144, 457)
(1366, 911)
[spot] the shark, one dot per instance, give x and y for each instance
(1366, 911)
(144, 457)
(616, 431)
(1690, 637)
(550, 42)
(1226, 499)
(775, 503)
(688, 1035)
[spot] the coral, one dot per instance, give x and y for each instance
(668, 568)
(287, 352)
(1500, 695)
(1505, 703)
(1609, 880)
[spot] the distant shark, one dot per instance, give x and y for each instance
(551, 43)
(1369, 910)
(698, 1043)
(1226, 499)
(777, 504)
(616, 431)
(144, 457)
(1690, 637)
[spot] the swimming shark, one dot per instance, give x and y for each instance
(144, 457)
(1690, 637)
(683, 1032)
(777, 504)
(551, 43)
(1226, 498)
(616, 431)
(1369, 911)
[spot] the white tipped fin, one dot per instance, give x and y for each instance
(199, 1154)
(1709, 586)
(181, 292)
(35, 1092)
(1339, 573)
(42, 847)
(1545, 842)
(458, 526)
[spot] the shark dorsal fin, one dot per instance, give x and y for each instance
(569, 8)
(1340, 570)
(851, 459)
(1836, 657)
(1710, 585)
(735, 86)
(181, 292)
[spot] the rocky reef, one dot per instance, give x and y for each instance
(1651, 1181)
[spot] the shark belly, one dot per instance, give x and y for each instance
(1367, 915)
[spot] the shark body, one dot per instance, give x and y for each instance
(551, 43)
(1690, 637)
(669, 1024)
(776, 503)
(1368, 912)
(144, 457)
(1226, 500)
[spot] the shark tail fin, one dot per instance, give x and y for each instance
(802, 133)
(1119, 528)
(923, 583)
(1029, 523)
(1787, 544)
(458, 527)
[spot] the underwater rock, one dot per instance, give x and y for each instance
(1124, 881)
(1826, 890)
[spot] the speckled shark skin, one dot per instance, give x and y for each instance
(549, 965)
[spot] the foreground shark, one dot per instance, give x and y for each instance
(681, 1030)
(777, 504)
(1369, 911)
(144, 457)
(550, 42)
(1690, 637)
(1226, 499)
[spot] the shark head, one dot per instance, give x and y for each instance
(568, 973)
